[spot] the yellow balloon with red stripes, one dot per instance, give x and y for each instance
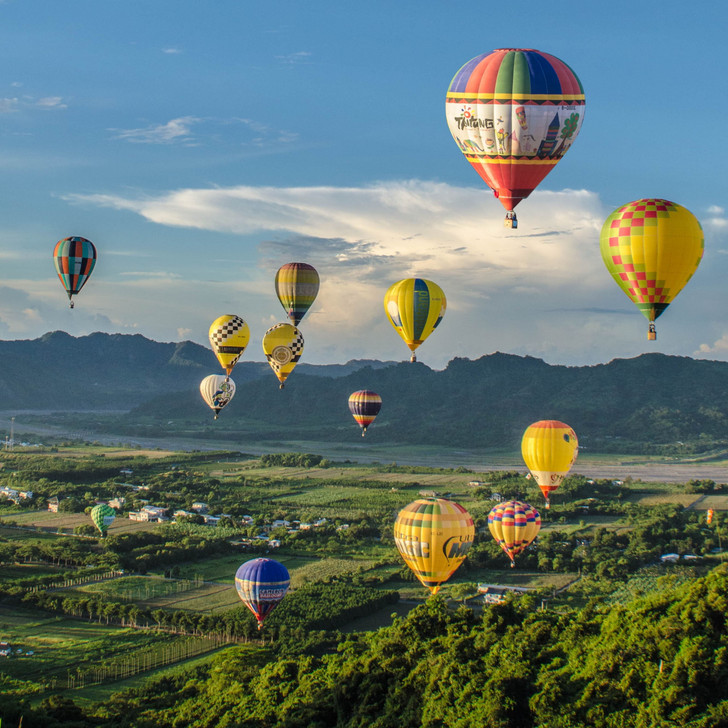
(549, 449)
(433, 536)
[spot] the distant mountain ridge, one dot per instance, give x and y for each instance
(487, 402)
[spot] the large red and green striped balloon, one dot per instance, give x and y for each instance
(514, 113)
(74, 258)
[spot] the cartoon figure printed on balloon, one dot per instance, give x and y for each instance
(217, 391)
(525, 108)
(75, 259)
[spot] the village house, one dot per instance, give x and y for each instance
(496, 593)
(53, 504)
(152, 514)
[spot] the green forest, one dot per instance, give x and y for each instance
(143, 627)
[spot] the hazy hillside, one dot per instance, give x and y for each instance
(487, 402)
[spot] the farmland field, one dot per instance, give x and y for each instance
(66, 522)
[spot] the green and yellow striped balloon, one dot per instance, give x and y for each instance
(297, 285)
(433, 536)
(415, 307)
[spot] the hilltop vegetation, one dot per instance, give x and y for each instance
(607, 636)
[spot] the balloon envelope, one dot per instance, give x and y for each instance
(297, 285)
(364, 405)
(74, 259)
(283, 346)
(229, 335)
(433, 536)
(415, 307)
(217, 391)
(514, 525)
(261, 584)
(549, 449)
(651, 247)
(103, 516)
(514, 113)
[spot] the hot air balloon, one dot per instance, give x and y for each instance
(514, 113)
(297, 286)
(365, 406)
(261, 584)
(229, 335)
(74, 258)
(549, 449)
(709, 516)
(651, 247)
(217, 391)
(415, 307)
(102, 516)
(514, 525)
(283, 346)
(433, 535)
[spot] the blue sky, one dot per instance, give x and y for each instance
(201, 146)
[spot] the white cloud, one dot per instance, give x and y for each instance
(183, 333)
(720, 346)
(293, 59)
(171, 51)
(194, 130)
(51, 102)
(174, 131)
(8, 105)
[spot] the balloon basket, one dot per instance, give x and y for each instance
(511, 220)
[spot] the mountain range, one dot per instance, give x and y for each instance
(642, 404)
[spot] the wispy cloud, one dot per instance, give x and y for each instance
(195, 131)
(174, 131)
(51, 102)
(294, 59)
(24, 103)
(172, 51)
